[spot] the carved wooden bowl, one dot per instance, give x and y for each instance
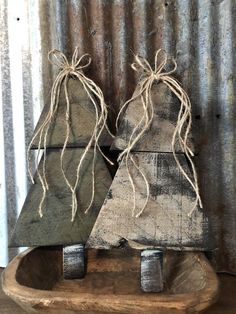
(112, 284)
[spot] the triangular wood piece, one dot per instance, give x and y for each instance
(55, 227)
(82, 120)
(165, 222)
(159, 136)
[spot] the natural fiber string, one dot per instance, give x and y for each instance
(182, 129)
(67, 70)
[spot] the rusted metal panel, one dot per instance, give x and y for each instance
(199, 34)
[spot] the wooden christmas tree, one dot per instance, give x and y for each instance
(68, 139)
(154, 201)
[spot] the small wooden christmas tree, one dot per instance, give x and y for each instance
(67, 142)
(153, 202)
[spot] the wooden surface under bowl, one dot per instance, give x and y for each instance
(112, 284)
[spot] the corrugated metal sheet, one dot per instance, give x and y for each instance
(199, 34)
(21, 100)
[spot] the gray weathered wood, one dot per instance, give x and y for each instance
(158, 138)
(81, 123)
(55, 227)
(165, 221)
(74, 261)
(152, 279)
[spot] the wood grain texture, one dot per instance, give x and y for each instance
(159, 136)
(165, 222)
(82, 120)
(112, 284)
(7, 305)
(152, 279)
(74, 261)
(55, 227)
(226, 302)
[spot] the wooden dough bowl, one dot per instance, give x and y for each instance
(112, 284)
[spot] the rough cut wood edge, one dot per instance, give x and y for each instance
(31, 299)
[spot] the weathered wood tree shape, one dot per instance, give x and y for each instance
(55, 226)
(165, 222)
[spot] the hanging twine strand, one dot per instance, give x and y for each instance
(182, 129)
(74, 69)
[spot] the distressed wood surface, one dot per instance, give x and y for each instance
(55, 227)
(159, 136)
(73, 261)
(152, 278)
(112, 284)
(165, 222)
(82, 120)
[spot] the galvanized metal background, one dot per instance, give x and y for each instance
(200, 34)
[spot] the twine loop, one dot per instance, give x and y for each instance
(58, 59)
(156, 73)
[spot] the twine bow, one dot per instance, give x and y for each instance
(183, 125)
(75, 69)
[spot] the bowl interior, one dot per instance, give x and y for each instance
(114, 271)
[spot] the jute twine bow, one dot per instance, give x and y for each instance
(183, 125)
(75, 69)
